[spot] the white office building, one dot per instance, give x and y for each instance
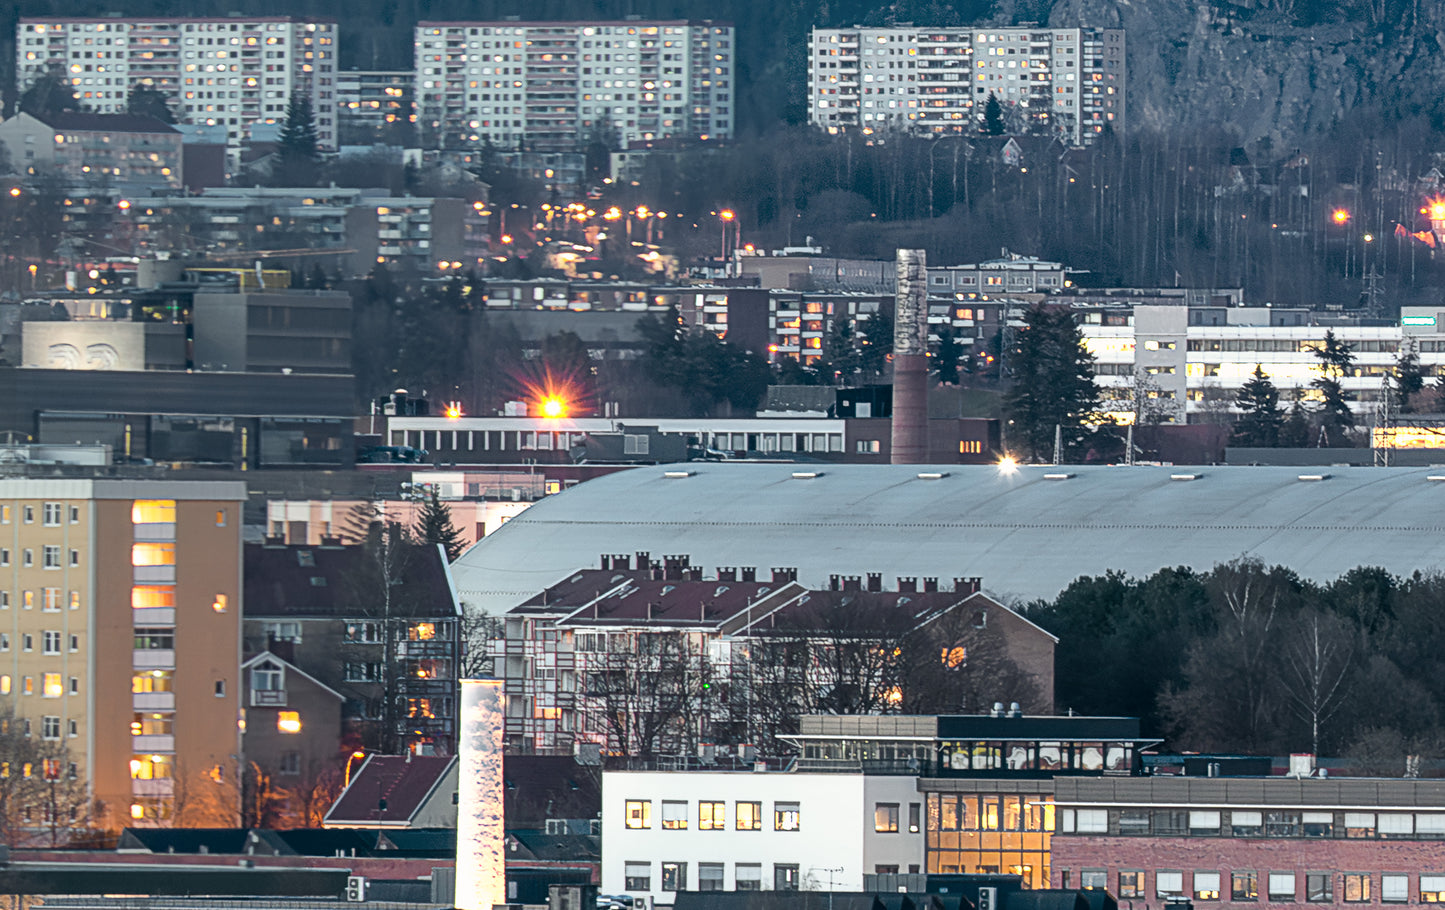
(549, 84)
(1065, 82)
(232, 71)
(670, 831)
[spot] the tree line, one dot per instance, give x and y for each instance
(1252, 658)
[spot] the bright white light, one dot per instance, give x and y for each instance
(1008, 465)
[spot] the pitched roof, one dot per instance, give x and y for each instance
(539, 845)
(539, 787)
(323, 581)
(404, 781)
(82, 121)
(291, 668)
(182, 840)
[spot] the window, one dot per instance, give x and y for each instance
(639, 813)
(674, 818)
(362, 671)
(51, 686)
(50, 727)
(1432, 889)
(151, 767)
(27, 557)
(712, 816)
(75, 515)
(1359, 824)
(50, 556)
(750, 816)
(1396, 824)
(153, 511)
(785, 877)
(1244, 886)
(674, 876)
(786, 817)
(1131, 884)
(885, 818)
(51, 599)
(710, 876)
(74, 558)
(4, 556)
(1206, 886)
(50, 643)
(146, 597)
(4, 641)
(1357, 887)
(1426, 824)
(1394, 888)
(1319, 824)
(1093, 879)
(748, 877)
(915, 817)
(288, 721)
(1204, 824)
(220, 518)
(153, 554)
(868, 447)
(637, 876)
(159, 638)
(51, 513)
(29, 514)
(152, 681)
(220, 603)
(27, 641)
(220, 688)
(1134, 822)
(363, 633)
(268, 677)
(1093, 821)
(75, 600)
(1319, 887)
(290, 763)
(1169, 884)
(143, 724)
(1246, 824)
(282, 631)
(1281, 824)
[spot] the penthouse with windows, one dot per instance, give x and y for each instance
(546, 84)
(234, 71)
(120, 637)
(1063, 82)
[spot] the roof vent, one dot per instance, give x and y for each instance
(1314, 477)
(1183, 476)
(677, 475)
(932, 475)
(807, 475)
(1436, 478)
(1058, 476)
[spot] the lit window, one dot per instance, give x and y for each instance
(219, 604)
(885, 818)
(639, 813)
(151, 767)
(750, 816)
(674, 815)
(153, 554)
(152, 681)
(712, 816)
(153, 511)
(1357, 887)
(786, 817)
(1206, 886)
(148, 596)
(288, 721)
(5, 684)
(52, 686)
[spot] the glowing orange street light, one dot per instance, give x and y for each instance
(506, 238)
(1437, 210)
(554, 407)
(1340, 216)
(351, 758)
(727, 214)
(15, 191)
(453, 410)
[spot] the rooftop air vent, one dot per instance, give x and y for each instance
(1058, 476)
(807, 475)
(1183, 476)
(677, 475)
(1436, 478)
(1314, 477)
(932, 475)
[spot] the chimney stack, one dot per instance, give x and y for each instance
(930, 583)
(910, 360)
(907, 584)
(875, 581)
(750, 573)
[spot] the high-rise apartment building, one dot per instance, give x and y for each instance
(232, 71)
(1066, 82)
(552, 84)
(120, 640)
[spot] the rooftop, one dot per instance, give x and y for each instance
(1030, 532)
(104, 123)
(322, 581)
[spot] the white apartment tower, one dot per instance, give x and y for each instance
(1067, 82)
(230, 71)
(551, 85)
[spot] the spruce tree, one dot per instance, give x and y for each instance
(1408, 379)
(298, 146)
(1259, 425)
(1336, 361)
(945, 357)
(148, 101)
(840, 352)
(1052, 383)
(434, 526)
(993, 116)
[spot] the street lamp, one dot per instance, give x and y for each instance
(349, 759)
(727, 217)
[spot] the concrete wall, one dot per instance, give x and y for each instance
(83, 345)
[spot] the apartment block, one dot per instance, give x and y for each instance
(548, 83)
(1064, 82)
(233, 71)
(370, 101)
(88, 566)
(84, 147)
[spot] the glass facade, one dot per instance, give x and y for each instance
(990, 833)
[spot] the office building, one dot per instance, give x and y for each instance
(96, 148)
(1063, 82)
(233, 71)
(546, 84)
(89, 566)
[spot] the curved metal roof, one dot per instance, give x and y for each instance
(1025, 534)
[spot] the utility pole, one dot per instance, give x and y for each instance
(1058, 441)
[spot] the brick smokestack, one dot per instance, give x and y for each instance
(910, 360)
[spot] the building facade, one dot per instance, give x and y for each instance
(230, 71)
(88, 566)
(755, 830)
(370, 102)
(119, 148)
(547, 83)
(1063, 82)
(1249, 842)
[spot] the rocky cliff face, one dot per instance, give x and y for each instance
(1197, 65)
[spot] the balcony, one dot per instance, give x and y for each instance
(268, 698)
(155, 531)
(154, 659)
(152, 788)
(154, 616)
(153, 701)
(154, 575)
(153, 743)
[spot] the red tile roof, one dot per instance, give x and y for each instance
(404, 782)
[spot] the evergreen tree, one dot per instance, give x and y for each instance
(840, 352)
(298, 150)
(434, 526)
(945, 358)
(50, 93)
(1336, 360)
(993, 116)
(1294, 432)
(1408, 379)
(877, 342)
(1259, 425)
(147, 101)
(1053, 384)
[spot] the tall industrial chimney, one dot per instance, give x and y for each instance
(910, 360)
(481, 859)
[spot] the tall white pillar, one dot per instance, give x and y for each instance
(481, 858)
